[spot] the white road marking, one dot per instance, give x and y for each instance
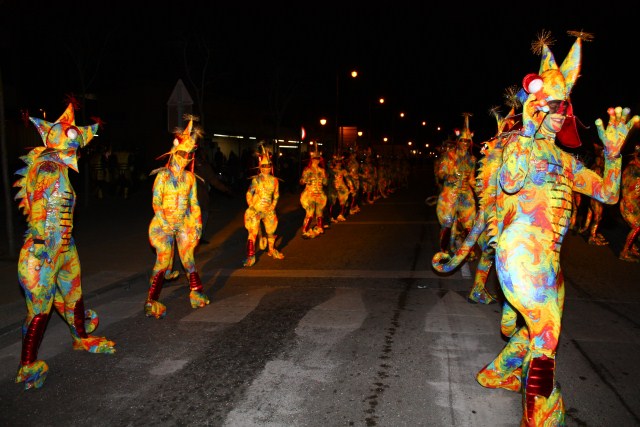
(361, 274)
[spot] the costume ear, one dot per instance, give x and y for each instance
(570, 67)
(548, 61)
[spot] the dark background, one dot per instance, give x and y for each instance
(277, 64)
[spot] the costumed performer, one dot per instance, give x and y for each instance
(456, 207)
(177, 221)
(48, 264)
(313, 199)
(533, 213)
(262, 197)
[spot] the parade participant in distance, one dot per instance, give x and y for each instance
(594, 214)
(262, 198)
(313, 199)
(339, 188)
(177, 218)
(630, 206)
(456, 207)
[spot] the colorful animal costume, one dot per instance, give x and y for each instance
(262, 198)
(630, 206)
(369, 179)
(313, 199)
(339, 188)
(456, 205)
(532, 212)
(594, 213)
(353, 168)
(48, 264)
(177, 219)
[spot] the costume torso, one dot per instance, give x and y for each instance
(314, 180)
(456, 199)
(544, 201)
(263, 192)
(51, 200)
(172, 196)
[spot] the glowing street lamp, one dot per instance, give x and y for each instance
(353, 75)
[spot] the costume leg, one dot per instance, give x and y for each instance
(505, 371)
(270, 226)
(587, 221)
(309, 209)
(251, 223)
(627, 253)
(170, 273)
(307, 231)
(595, 238)
(186, 241)
(153, 307)
(197, 296)
(526, 268)
(342, 201)
(163, 244)
(33, 372)
(445, 218)
(320, 203)
(36, 279)
(69, 289)
(479, 293)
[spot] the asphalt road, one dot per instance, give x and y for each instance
(350, 329)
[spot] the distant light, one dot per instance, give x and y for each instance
(354, 74)
(381, 100)
(424, 123)
(220, 135)
(401, 114)
(323, 122)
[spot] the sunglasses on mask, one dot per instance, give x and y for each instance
(558, 107)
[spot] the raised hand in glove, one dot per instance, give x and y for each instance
(615, 134)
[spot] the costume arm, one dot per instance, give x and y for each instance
(447, 166)
(472, 175)
(157, 199)
(607, 188)
(276, 193)
(305, 177)
(515, 166)
(46, 243)
(250, 192)
(196, 214)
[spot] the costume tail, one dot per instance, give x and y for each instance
(442, 262)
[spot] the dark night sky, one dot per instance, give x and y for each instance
(432, 62)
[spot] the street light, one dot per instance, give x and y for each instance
(353, 75)
(323, 122)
